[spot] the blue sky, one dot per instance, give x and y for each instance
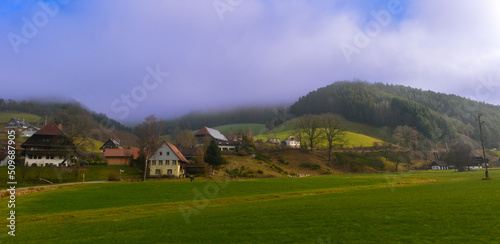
(132, 58)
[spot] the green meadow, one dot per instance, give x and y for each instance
(408, 207)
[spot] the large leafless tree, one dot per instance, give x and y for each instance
(332, 131)
(150, 132)
(309, 127)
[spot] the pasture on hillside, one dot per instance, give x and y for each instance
(408, 207)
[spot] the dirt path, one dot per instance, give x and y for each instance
(25, 190)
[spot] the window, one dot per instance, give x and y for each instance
(168, 153)
(153, 162)
(160, 162)
(30, 156)
(47, 157)
(161, 153)
(174, 162)
(157, 171)
(169, 171)
(167, 162)
(52, 156)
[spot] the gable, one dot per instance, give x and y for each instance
(167, 151)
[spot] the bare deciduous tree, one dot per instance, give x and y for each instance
(149, 133)
(309, 127)
(333, 133)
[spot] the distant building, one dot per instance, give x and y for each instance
(18, 124)
(439, 165)
(212, 134)
(116, 156)
(30, 131)
(167, 160)
(274, 140)
(49, 146)
(111, 144)
(291, 142)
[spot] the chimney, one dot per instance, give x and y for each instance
(60, 126)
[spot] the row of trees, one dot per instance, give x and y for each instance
(312, 129)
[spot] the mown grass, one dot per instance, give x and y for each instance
(352, 139)
(256, 128)
(412, 207)
(28, 176)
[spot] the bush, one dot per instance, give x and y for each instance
(263, 157)
(311, 166)
(114, 176)
(260, 172)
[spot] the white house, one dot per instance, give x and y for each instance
(167, 160)
(291, 142)
(48, 146)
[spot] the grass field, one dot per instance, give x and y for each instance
(412, 207)
(31, 118)
(257, 128)
(352, 139)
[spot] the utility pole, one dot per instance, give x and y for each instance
(482, 143)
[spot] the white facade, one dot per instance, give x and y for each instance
(165, 161)
(29, 131)
(3, 162)
(44, 160)
(291, 142)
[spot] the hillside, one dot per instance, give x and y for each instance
(76, 120)
(437, 116)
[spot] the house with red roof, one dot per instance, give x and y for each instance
(167, 160)
(49, 147)
(117, 156)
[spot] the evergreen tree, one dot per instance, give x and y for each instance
(212, 155)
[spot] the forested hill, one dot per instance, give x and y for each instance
(437, 116)
(75, 118)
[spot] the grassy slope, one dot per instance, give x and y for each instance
(357, 134)
(31, 118)
(382, 208)
(257, 128)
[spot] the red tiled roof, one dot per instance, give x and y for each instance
(121, 153)
(177, 152)
(50, 129)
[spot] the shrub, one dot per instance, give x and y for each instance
(311, 166)
(114, 176)
(260, 172)
(263, 157)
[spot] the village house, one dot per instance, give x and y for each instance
(207, 134)
(274, 140)
(17, 124)
(167, 160)
(114, 156)
(291, 142)
(30, 131)
(110, 144)
(439, 165)
(49, 147)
